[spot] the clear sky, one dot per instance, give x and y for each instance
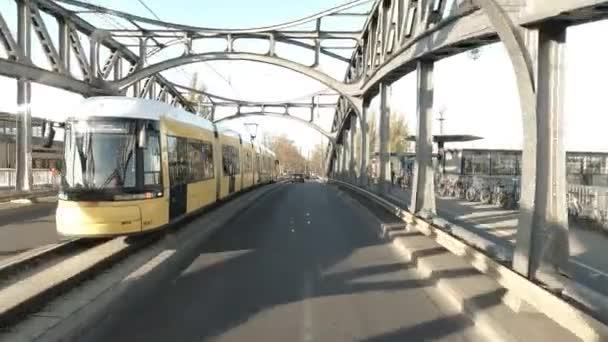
(477, 96)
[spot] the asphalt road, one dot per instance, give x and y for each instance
(23, 227)
(301, 265)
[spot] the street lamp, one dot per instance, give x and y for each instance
(252, 128)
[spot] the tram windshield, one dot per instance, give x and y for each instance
(101, 156)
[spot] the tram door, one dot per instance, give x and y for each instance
(231, 182)
(229, 160)
(178, 193)
(178, 198)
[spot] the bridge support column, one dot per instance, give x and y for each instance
(346, 155)
(351, 166)
(542, 249)
(383, 139)
(24, 96)
(423, 192)
(364, 157)
(340, 160)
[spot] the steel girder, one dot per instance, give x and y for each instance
(59, 71)
(399, 33)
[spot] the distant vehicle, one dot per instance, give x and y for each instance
(297, 178)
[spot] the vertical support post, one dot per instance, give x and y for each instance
(94, 57)
(383, 139)
(423, 192)
(364, 145)
(64, 44)
(344, 155)
(143, 53)
(337, 159)
(118, 69)
(542, 248)
(347, 150)
(351, 166)
(24, 94)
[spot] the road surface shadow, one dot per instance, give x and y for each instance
(265, 260)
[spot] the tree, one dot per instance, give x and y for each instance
(288, 154)
(316, 163)
(198, 99)
(397, 132)
(372, 131)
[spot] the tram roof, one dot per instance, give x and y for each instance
(135, 108)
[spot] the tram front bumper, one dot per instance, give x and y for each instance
(89, 219)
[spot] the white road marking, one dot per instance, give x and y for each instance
(307, 323)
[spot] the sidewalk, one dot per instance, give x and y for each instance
(7, 195)
(589, 263)
(27, 225)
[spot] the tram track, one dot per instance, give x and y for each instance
(29, 262)
(30, 281)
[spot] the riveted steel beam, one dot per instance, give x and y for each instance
(11, 47)
(26, 71)
(46, 42)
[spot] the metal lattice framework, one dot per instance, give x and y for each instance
(395, 37)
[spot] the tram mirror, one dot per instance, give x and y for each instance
(142, 137)
(48, 134)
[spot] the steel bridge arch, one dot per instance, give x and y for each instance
(347, 90)
(330, 136)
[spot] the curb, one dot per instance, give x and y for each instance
(564, 314)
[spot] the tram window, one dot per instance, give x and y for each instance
(152, 160)
(237, 161)
(230, 160)
(200, 157)
(226, 163)
(178, 170)
(208, 169)
(247, 167)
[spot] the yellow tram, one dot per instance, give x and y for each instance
(135, 165)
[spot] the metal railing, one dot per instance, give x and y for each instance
(41, 178)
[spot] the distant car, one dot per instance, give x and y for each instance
(297, 178)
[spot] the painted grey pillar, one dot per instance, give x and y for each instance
(24, 96)
(384, 175)
(344, 151)
(336, 167)
(364, 157)
(346, 154)
(423, 192)
(351, 165)
(542, 248)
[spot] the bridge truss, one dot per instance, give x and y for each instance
(395, 37)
